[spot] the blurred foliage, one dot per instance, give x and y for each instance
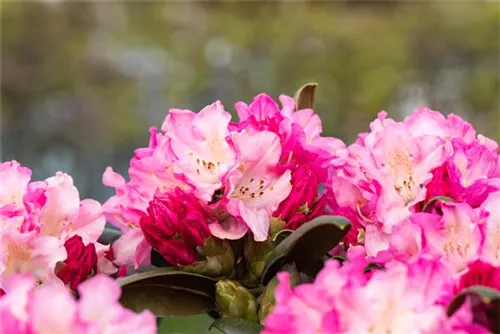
(82, 81)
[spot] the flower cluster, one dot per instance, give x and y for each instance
(393, 176)
(205, 176)
(46, 230)
(51, 308)
(423, 198)
(215, 197)
(405, 298)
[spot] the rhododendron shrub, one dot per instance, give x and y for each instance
(266, 225)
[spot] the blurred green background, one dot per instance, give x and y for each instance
(81, 82)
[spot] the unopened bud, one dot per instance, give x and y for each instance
(256, 254)
(234, 300)
(218, 259)
(268, 301)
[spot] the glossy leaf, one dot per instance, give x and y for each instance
(487, 295)
(109, 235)
(437, 198)
(306, 245)
(236, 326)
(168, 292)
(282, 235)
(304, 97)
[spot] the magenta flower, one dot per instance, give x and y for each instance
(299, 131)
(80, 263)
(466, 175)
(479, 273)
(175, 225)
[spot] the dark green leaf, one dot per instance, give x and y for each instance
(157, 259)
(485, 294)
(236, 326)
(372, 266)
(437, 198)
(168, 292)
(340, 258)
(282, 235)
(304, 97)
(109, 235)
(306, 245)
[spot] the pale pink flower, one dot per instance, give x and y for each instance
(199, 142)
(455, 235)
(402, 165)
(491, 229)
(52, 309)
(29, 253)
(405, 298)
(125, 209)
(257, 187)
(13, 186)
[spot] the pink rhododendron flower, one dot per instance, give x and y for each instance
(402, 165)
(52, 309)
(491, 229)
(300, 131)
(175, 225)
(14, 185)
(455, 235)
(47, 214)
(29, 252)
(257, 187)
(405, 298)
(199, 143)
(466, 174)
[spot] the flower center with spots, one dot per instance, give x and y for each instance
(251, 188)
(400, 165)
(17, 257)
(456, 242)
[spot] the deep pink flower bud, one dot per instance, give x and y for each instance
(175, 225)
(80, 263)
(304, 191)
(480, 273)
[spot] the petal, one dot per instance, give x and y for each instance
(52, 310)
(90, 222)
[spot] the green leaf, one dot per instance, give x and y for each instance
(236, 326)
(304, 97)
(158, 260)
(282, 235)
(486, 295)
(437, 198)
(306, 245)
(372, 266)
(168, 292)
(109, 235)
